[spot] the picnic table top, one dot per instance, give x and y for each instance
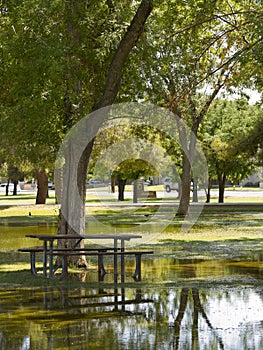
(121, 236)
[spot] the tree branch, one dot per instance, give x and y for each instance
(129, 40)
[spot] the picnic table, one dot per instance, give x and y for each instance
(49, 251)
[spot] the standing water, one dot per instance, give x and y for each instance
(187, 300)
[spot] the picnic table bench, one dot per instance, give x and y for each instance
(48, 252)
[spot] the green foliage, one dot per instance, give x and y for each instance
(252, 144)
(193, 46)
(14, 174)
(55, 55)
(54, 59)
(226, 124)
(133, 169)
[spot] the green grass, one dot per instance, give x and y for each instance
(23, 199)
(21, 209)
(219, 231)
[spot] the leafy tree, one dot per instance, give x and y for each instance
(225, 125)
(111, 89)
(14, 175)
(132, 151)
(30, 104)
(192, 51)
(133, 170)
(54, 58)
(70, 53)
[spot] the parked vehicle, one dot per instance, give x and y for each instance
(94, 183)
(169, 185)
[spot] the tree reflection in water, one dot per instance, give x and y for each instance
(126, 318)
(197, 309)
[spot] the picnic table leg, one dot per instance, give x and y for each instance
(115, 258)
(45, 259)
(33, 263)
(51, 259)
(122, 263)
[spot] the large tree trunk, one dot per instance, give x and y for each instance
(42, 186)
(183, 209)
(76, 211)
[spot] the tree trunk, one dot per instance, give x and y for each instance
(112, 184)
(76, 211)
(7, 188)
(221, 182)
(15, 188)
(208, 195)
(183, 209)
(208, 192)
(190, 150)
(135, 191)
(121, 187)
(195, 194)
(42, 186)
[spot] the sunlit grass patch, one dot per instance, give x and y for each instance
(24, 199)
(14, 266)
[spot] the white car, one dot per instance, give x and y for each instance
(169, 185)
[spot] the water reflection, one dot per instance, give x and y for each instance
(154, 318)
(195, 269)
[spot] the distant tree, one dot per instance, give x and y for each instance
(228, 123)
(14, 175)
(132, 170)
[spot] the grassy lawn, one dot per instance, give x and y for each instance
(218, 232)
(212, 224)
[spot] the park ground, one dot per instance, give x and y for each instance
(230, 230)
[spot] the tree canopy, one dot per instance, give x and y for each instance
(228, 123)
(62, 59)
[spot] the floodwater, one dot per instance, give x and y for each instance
(127, 318)
(204, 301)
